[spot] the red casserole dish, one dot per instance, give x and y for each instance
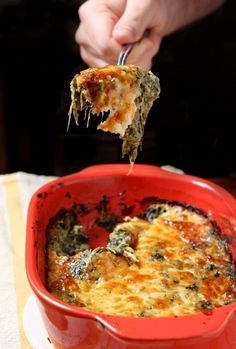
(70, 327)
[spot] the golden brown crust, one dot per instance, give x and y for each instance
(170, 263)
(127, 92)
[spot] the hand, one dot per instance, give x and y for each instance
(105, 25)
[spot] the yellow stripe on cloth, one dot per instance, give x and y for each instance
(18, 188)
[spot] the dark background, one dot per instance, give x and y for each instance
(191, 126)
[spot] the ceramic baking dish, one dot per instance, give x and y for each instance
(70, 327)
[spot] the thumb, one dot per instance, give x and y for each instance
(136, 18)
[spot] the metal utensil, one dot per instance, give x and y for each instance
(124, 54)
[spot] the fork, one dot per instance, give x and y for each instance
(124, 54)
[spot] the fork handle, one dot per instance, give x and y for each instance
(124, 54)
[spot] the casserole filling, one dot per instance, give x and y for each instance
(169, 261)
(125, 92)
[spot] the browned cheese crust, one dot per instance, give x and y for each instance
(126, 92)
(170, 262)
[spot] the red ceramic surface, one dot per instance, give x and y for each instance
(70, 327)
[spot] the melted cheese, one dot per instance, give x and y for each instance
(126, 92)
(179, 266)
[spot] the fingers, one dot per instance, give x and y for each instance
(92, 60)
(84, 40)
(144, 51)
(106, 25)
(87, 43)
(137, 17)
(92, 55)
(94, 33)
(141, 54)
(98, 22)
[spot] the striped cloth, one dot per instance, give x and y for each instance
(15, 192)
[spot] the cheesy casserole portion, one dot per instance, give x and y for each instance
(125, 92)
(170, 261)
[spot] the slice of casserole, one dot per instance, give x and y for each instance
(126, 92)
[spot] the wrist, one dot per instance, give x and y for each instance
(183, 12)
